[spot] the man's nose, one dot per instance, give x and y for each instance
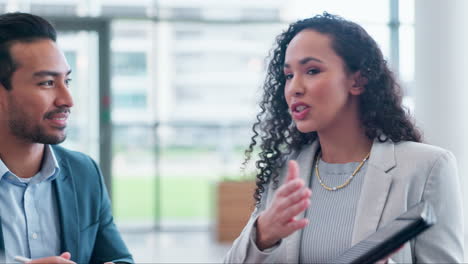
(64, 97)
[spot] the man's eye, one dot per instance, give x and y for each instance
(68, 81)
(47, 83)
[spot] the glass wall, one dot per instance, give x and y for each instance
(81, 51)
(215, 74)
(134, 124)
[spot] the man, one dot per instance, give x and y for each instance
(54, 207)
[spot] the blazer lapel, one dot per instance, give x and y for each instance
(68, 210)
(375, 189)
(304, 160)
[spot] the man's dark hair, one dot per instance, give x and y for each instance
(19, 27)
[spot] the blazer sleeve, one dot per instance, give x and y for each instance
(109, 246)
(443, 243)
(244, 248)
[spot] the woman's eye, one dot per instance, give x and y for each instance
(68, 81)
(288, 76)
(313, 71)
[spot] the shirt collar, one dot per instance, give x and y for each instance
(3, 169)
(49, 169)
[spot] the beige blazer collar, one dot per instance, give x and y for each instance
(375, 189)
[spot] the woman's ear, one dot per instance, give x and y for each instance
(358, 83)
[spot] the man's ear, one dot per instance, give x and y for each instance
(358, 83)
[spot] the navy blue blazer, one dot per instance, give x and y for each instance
(87, 227)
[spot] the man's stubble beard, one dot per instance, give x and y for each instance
(19, 126)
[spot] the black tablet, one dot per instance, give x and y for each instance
(391, 236)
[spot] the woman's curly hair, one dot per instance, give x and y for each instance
(380, 109)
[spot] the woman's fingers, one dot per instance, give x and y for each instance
(293, 182)
(290, 200)
(292, 211)
(289, 187)
(293, 198)
(293, 170)
(295, 225)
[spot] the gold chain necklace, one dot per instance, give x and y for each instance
(346, 182)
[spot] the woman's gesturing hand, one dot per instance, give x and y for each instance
(279, 220)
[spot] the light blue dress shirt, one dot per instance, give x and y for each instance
(28, 211)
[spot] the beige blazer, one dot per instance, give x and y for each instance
(397, 177)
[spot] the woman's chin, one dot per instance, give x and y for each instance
(305, 129)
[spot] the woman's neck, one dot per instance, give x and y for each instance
(344, 145)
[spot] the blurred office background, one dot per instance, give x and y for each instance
(166, 91)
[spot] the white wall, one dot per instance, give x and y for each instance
(441, 78)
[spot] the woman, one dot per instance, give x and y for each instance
(332, 107)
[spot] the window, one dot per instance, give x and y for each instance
(129, 63)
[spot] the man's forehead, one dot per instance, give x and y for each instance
(40, 55)
(43, 73)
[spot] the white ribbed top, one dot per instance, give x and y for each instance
(331, 213)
